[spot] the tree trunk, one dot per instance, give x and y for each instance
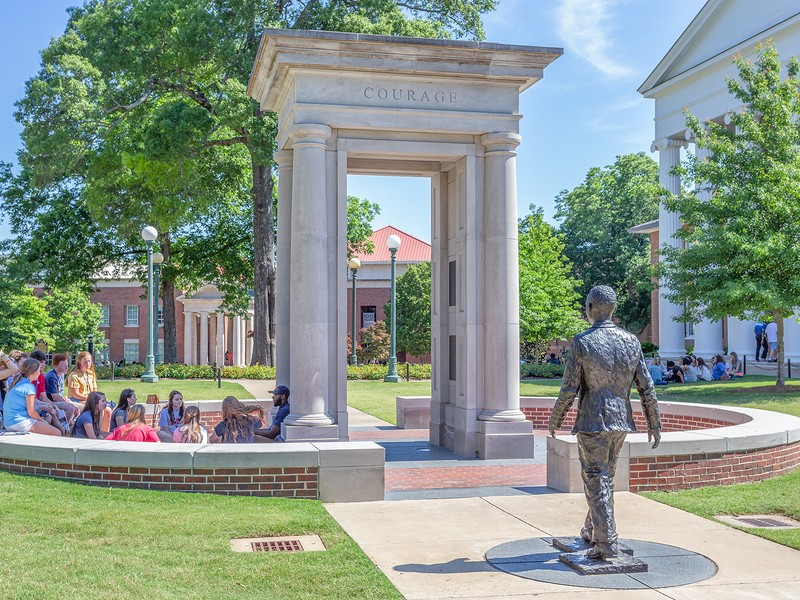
(168, 299)
(780, 383)
(264, 267)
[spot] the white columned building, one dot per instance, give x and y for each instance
(441, 109)
(692, 76)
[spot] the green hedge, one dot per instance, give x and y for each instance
(547, 370)
(178, 371)
(377, 372)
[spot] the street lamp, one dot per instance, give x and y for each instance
(354, 264)
(149, 235)
(158, 258)
(393, 243)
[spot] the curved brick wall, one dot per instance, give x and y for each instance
(540, 417)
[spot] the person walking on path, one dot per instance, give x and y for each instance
(771, 332)
(603, 363)
(761, 343)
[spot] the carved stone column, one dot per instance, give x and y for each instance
(284, 160)
(188, 337)
(204, 338)
(220, 345)
(671, 339)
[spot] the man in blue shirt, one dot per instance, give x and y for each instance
(760, 341)
(280, 399)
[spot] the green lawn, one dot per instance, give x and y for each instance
(192, 389)
(779, 495)
(67, 540)
(377, 398)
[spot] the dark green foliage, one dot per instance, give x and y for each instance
(546, 371)
(595, 218)
(413, 310)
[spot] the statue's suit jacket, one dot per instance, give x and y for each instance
(603, 362)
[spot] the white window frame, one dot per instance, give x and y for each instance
(160, 316)
(106, 322)
(128, 321)
(130, 342)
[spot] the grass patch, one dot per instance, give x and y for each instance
(66, 540)
(377, 398)
(780, 495)
(192, 389)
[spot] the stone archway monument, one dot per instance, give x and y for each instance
(443, 109)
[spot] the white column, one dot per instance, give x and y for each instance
(242, 332)
(707, 334)
(741, 338)
(501, 279)
(237, 337)
(248, 341)
(284, 261)
(204, 338)
(308, 320)
(188, 337)
(671, 340)
(791, 343)
(220, 345)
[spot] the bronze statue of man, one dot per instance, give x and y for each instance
(603, 362)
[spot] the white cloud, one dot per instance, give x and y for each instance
(587, 27)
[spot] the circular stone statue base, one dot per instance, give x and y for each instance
(668, 566)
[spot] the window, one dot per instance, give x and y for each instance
(160, 350)
(132, 316)
(106, 322)
(131, 349)
(451, 280)
(453, 356)
(160, 316)
(367, 316)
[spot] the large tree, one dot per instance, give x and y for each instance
(595, 218)
(74, 319)
(742, 243)
(23, 317)
(413, 319)
(549, 305)
(142, 103)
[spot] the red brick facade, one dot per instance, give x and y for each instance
(292, 482)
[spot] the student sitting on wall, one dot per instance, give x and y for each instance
(127, 399)
(136, 429)
(191, 432)
(171, 416)
(88, 424)
(19, 411)
(238, 425)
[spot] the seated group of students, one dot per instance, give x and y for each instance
(26, 411)
(694, 368)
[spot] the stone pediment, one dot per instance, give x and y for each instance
(720, 28)
(206, 292)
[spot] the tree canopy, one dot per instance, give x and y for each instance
(139, 115)
(413, 323)
(595, 218)
(742, 243)
(549, 304)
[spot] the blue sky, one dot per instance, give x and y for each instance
(582, 114)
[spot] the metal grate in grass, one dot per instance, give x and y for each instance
(761, 521)
(297, 543)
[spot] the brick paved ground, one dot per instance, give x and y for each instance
(472, 476)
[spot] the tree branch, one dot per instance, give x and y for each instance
(239, 139)
(195, 95)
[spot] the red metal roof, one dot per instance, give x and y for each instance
(411, 249)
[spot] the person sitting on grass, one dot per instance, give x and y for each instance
(88, 424)
(136, 429)
(238, 423)
(127, 398)
(191, 432)
(703, 372)
(280, 400)
(718, 370)
(689, 370)
(19, 411)
(735, 368)
(675, 373)
(170, 417)
(656, 372)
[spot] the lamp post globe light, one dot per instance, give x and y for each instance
(393, 243)
(158, 259)
(354, 265)
(149, 235)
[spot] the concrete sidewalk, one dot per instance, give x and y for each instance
(435, 548)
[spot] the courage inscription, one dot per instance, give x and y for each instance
(434, 96)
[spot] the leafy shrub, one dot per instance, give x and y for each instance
(649, 348)
(546, 370)
(180, 371)
(377, 372)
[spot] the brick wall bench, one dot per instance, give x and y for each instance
(701, 445)
(329, 471)
(743, 445)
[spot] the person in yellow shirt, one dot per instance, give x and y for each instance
(82, 381)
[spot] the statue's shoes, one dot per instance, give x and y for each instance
(603, 550)
(586, 535)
